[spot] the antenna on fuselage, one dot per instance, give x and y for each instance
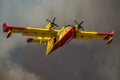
(53, 22)
(79, 24)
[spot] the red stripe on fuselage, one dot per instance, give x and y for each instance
(66, 38)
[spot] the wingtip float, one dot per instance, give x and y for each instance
(109, 36)
(10, 29)
(56, 38)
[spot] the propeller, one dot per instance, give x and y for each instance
(79, 24)
(52, 22)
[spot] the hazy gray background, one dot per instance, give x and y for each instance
(79, 60)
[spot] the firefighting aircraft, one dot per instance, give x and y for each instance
(56, 38)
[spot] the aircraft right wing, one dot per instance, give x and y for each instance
(95, 35)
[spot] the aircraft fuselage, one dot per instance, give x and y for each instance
(64, 37)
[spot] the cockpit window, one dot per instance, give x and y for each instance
(68, 26)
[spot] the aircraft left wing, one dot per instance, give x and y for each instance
(95, 35)
(28, 31)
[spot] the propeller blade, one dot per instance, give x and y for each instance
(81, 23)
(82, 28)
(54, 19)
(48, 20)
(55, 25)
(52, 22)
(75, 21)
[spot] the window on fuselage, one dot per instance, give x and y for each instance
(68, 26)
(54, 40)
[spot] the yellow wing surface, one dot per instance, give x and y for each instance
(94, 35)
(28, 31)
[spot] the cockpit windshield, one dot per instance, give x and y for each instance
(68, 26)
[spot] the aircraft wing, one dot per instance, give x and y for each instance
(28, 31)
(94, 35)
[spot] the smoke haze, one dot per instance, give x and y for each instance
(79, 60)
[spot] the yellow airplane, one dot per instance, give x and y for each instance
(55, 38)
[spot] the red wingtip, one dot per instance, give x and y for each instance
(105, 33)
(29, 39)
(5, 27)
(112, 33)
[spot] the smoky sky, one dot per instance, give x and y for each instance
(79, 60)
